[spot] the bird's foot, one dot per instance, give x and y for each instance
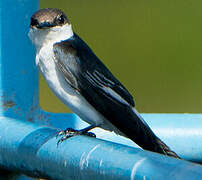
(69, 132)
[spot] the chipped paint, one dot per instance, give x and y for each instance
(90, 152)
(134, 169)
(85, 159)
(82, 161)
(65, 163)
(11, 102)
(18, 111)
(101, 161)
(8, 104)
(24, 72)
(42, 118)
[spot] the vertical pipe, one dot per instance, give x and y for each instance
(18, 74)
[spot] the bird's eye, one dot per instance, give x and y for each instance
(34, 22)
(61, 19)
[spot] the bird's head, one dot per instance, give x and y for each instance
(49, 25)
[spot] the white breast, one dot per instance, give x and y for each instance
(63, 91)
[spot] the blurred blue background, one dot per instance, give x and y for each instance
(153, 47)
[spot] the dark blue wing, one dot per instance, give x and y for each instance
(85, 72)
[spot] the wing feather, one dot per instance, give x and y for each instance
(79, 65)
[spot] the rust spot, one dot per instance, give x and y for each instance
(24, 72)
(40, 116)
(43, 118)
(8, 104)
(30, 119)
(32, 109)
(31, 113)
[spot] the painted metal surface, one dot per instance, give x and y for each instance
(31, 148)
(19, 76)
(181, 132)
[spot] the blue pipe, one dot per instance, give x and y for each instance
(19, 75)
(33, 150)
(181, 132)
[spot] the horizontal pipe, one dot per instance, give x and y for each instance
(32, 149)
(181, 132)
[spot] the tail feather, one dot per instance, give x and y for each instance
(148, 140)
(139, 132)
(166, 150)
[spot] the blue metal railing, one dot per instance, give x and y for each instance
(27, 137)
(33, 151)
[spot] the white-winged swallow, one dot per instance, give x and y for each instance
(83, 83)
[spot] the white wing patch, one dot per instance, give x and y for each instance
(115, 95)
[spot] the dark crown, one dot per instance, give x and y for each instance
(48, 17)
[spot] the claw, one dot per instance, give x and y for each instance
(60, 133)
(69, 132)
(90, 134)
(59, 142)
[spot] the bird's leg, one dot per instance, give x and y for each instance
(69, 132)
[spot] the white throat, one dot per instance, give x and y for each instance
(41, 37)
(45, 38)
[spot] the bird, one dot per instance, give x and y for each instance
(84, 84)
